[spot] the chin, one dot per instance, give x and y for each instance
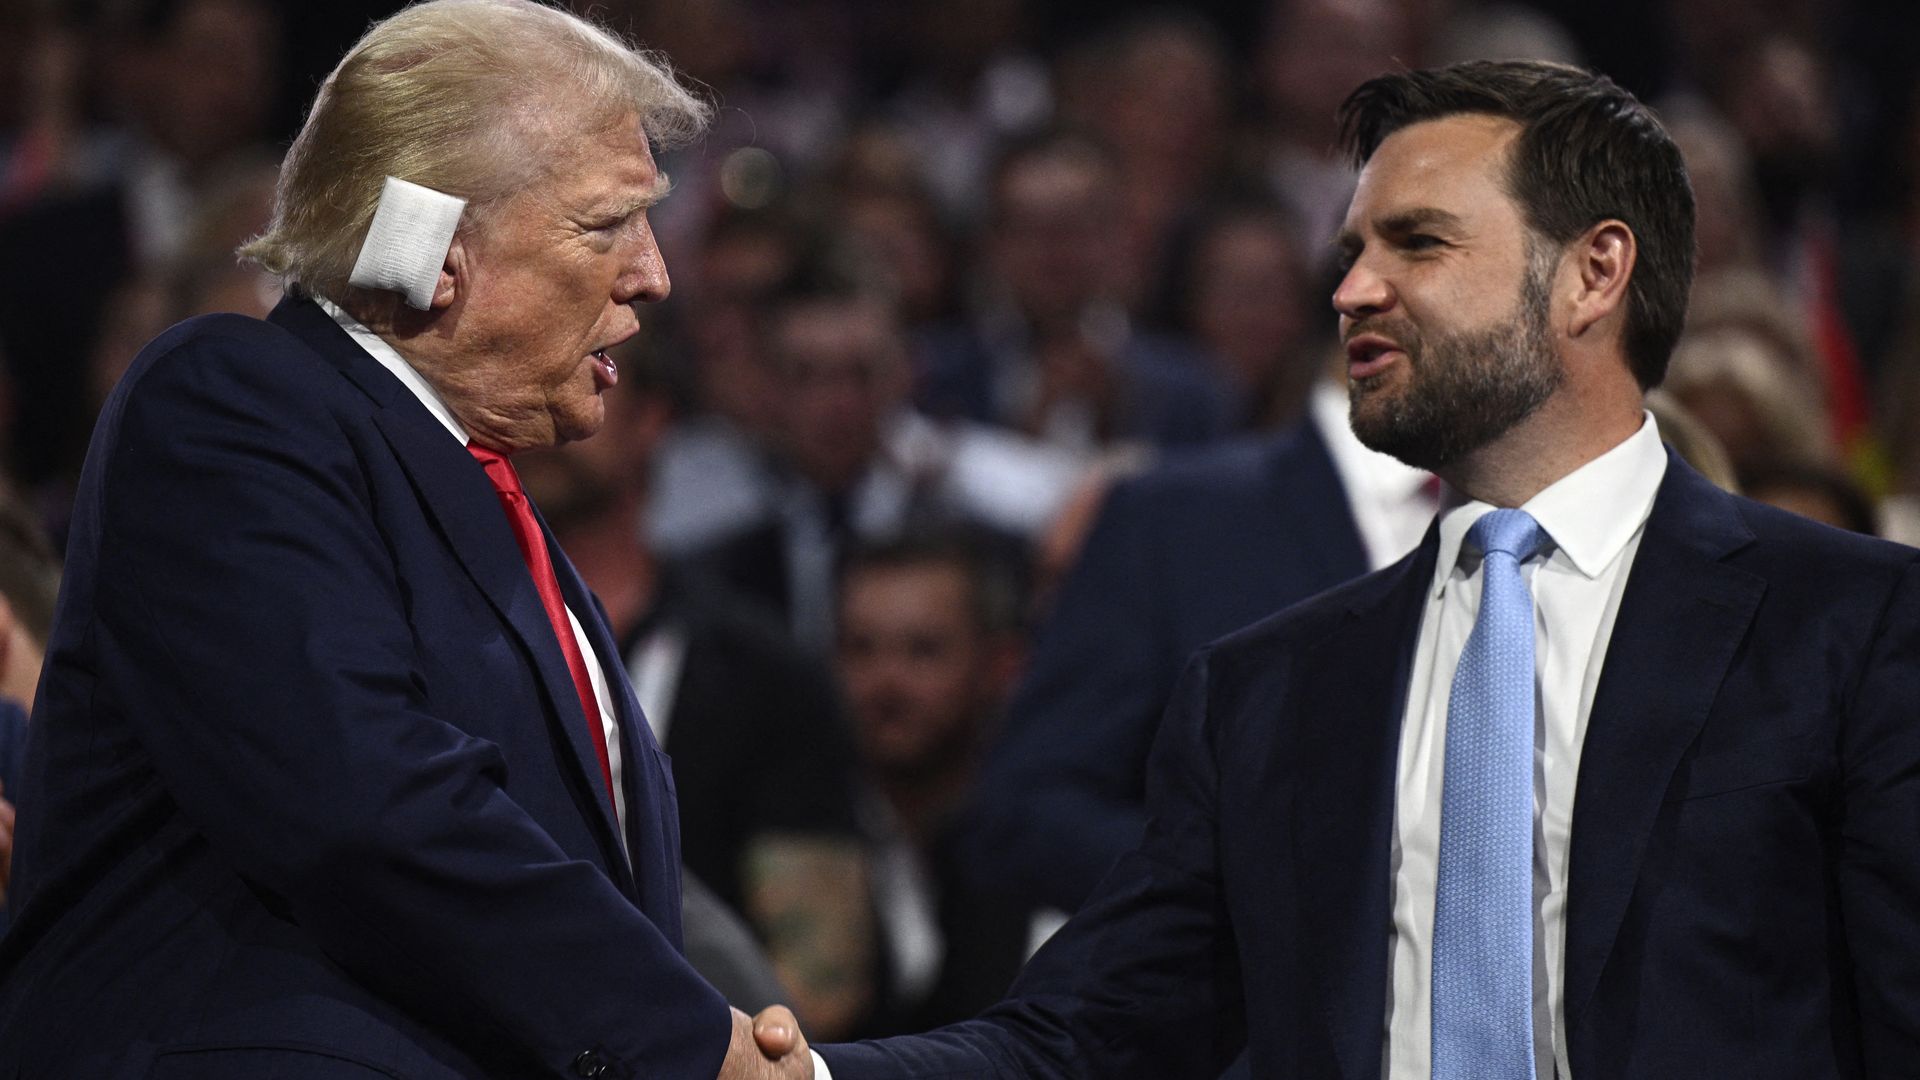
(579, 423)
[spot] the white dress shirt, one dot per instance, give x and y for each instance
(1595, 517)
(388, 358)
(1392, 502)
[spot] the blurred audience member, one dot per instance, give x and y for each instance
(1814, 490)
(1312, 53)
(1692, 440)
(761, 758)
(709, 475)
(1755, 401)
(1177, 556)
(882, 205)
(783, 75)
(853, 460)
(1155, 89)
(1779, 90)
(1731, 235)
(1497, 30)
(1050, 347)
(959, 79)
(204, 276)
(190, 83)
(1246, 302)
(928, 647)
(29, 584)
(236, 206)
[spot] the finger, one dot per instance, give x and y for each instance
(776, 1032)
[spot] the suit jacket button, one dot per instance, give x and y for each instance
(590, 1064)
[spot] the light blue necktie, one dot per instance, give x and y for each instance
(1483, 910)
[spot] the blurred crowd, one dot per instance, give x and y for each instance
(943, 274)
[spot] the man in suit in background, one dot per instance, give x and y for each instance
(1185, 553)
(1364, 857)
(334, 770)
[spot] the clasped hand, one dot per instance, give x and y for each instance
(767, 1047)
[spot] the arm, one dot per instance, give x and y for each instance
(1060, 797)
(1143, 982)
(256, 639)
(1879, 871)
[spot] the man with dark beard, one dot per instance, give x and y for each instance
(1365, 857)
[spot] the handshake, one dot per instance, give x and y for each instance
(768, 1046)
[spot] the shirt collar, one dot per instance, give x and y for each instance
(378, 348)
(1380, 477)
(1590, 513)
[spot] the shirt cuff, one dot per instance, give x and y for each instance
(820, 1070)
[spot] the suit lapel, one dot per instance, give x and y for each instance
(1682, 615)
(652, 819)
(462, 502)
(1342, 819)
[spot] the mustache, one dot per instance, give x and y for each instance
(1399, 331)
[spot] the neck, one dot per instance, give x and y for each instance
(1572, 428)
(924, 802)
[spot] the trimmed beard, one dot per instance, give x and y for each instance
(1466, 389)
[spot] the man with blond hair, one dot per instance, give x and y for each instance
(334, 771)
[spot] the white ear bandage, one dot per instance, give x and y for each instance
(407, 243)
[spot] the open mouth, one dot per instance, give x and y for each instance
(1369, 355)
(606, 372)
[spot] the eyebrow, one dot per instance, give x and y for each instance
(1425, 217)
(1400, 223)
(662, 184)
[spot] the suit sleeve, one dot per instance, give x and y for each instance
(1144, 981)
(1059, 799)
(252, 621)
(1879, 872)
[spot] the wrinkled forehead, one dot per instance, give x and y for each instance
(602, 160)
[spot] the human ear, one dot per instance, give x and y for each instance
(1604, 256)
(453, 273)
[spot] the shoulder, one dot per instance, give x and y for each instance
(1813, 568)
(1782, 548)
(228, 405)
(1207, 478)
(224, 362)
(1384, 596)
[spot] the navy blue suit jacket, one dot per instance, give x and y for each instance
(1744, 890)
(1178, 557)
(310, 791)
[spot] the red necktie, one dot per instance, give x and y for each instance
(533, 548)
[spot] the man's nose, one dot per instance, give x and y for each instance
(1362, 292)
(644, 279)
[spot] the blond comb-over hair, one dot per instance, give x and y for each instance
(453, 95)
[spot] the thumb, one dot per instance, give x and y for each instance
(776, 1032)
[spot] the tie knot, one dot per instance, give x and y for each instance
(1513, 532)
(499, 470)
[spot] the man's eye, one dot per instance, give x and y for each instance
(1420, 242)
